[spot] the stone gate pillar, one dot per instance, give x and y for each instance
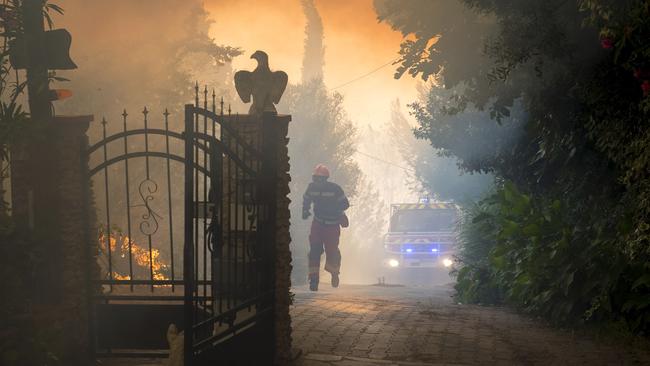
(49, 197)
(253, 130)
(283, 265)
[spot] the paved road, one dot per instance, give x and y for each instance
(409, 326)
(371, 325)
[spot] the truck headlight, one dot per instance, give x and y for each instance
(447, 262)
(393, 263)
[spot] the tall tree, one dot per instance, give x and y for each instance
(314, 58)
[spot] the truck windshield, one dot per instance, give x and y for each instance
(423, 220)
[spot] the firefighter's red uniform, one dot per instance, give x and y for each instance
(330, 203)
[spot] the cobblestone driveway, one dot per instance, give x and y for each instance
(367, 325)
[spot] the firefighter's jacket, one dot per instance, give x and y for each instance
(329, 202)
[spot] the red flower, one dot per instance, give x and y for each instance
(645, 86)
(640, 73)
(606, 43)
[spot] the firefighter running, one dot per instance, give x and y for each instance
(330, 203)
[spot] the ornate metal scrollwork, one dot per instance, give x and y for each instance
(252, 209)
(149, 224)
(251, 214)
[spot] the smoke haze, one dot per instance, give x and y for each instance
(131, 54)
(355, 44)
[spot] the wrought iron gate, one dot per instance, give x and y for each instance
(221, 293)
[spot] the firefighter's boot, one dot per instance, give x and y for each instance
(335, 280)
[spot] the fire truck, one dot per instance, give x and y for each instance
(420, 235)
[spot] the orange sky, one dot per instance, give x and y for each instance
(355, 44)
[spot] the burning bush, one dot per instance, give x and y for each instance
(129, 259)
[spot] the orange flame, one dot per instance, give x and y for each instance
(119, 244)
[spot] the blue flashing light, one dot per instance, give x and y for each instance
(409, 250)
(434, 250)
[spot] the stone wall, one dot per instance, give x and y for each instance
(49, 191)
(283, 251)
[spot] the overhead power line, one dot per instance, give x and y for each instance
(410, 170)
(366, 74)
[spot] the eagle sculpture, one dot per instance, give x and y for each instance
(264, 85)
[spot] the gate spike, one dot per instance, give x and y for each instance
(221, 105)
(205, 97)
(166, 113)
(145, 111)
(196, 93)
(104, 122)
(124, 115)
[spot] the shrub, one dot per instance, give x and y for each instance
(528, 251)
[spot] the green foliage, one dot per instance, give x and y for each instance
(436, 170)
(12, 122)
(572, 225)
(478, 143)
(477, 238)
(439, 42)
(530, 252)
(12, 115)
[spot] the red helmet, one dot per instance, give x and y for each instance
(321, 171)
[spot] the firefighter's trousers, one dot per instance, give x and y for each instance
(324, 238)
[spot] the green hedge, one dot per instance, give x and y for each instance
(529, 252)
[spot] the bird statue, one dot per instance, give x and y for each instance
(264, 85)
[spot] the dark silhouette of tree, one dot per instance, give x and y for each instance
(314, 58)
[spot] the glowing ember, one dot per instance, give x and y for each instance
(119, 277)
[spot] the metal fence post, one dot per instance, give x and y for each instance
(188, 246)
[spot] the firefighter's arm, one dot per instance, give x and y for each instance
(306, 204)
(343, 202)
